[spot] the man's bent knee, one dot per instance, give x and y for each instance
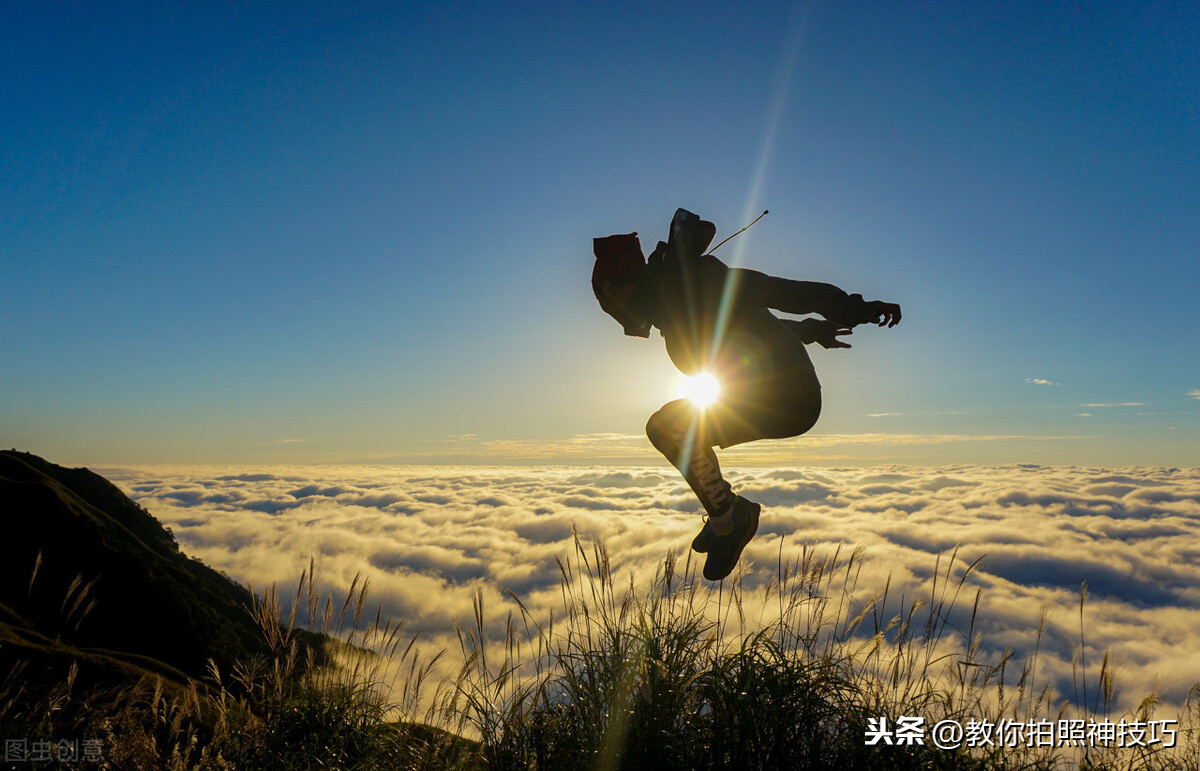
(667, 428)
(794, 416)
(803, 415)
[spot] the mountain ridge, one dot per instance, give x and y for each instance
(91, 576)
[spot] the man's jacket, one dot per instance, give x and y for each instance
(718, 318)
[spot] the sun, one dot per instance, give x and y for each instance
(703, 389)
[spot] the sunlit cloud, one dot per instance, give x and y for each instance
(920, 412)
(1116, 404)
(1195, 394)
(636, 448)
(1041, 381)
(429, 537)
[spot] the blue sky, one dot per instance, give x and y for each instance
(304, 233)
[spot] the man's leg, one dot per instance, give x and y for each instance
(679, 432)
(686, 436)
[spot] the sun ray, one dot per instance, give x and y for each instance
(703, 390)
(783, 81)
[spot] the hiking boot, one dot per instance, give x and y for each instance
(702, 539)
(725, 550)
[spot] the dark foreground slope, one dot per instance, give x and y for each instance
(95, 596)
(87, 573)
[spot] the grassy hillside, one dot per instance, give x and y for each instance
(657, 676)
(87, 568)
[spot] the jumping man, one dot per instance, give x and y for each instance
(717, 319)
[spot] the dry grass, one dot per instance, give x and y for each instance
(671, 673)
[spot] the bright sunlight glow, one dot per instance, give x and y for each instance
(702, 389)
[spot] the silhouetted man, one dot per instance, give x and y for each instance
(716, 319)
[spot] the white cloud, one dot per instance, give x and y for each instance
(428, 537)
(618, 449)
(1195, 393)
(1041, 381)
(1116, 404)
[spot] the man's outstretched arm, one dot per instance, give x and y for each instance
(800, 297)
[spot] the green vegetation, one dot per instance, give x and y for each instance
(629, 677)
(665, 673)
(87, 568)
(782, 676)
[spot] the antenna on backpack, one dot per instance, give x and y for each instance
(743, 230)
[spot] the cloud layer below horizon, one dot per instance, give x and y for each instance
(428, 538)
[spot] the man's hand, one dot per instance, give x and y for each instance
(818, 331)
(826, 333)
(829, 338)
(883, 314)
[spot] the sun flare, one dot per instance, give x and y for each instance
(703, 389)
